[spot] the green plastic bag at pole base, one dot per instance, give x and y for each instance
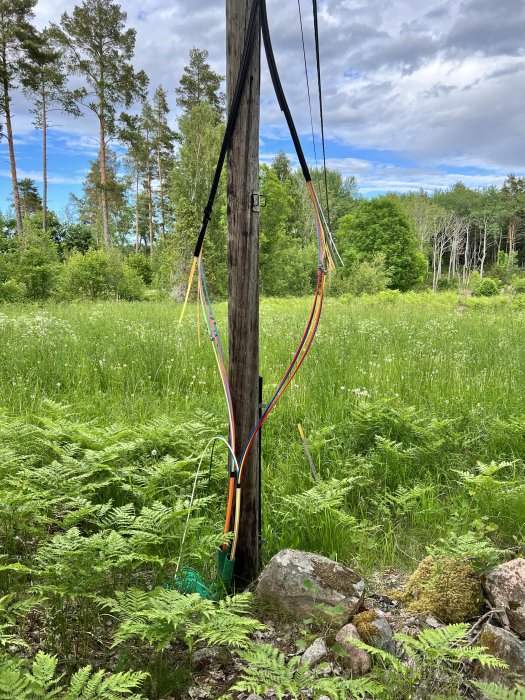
(225, 569)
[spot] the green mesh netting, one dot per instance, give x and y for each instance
(188, 580)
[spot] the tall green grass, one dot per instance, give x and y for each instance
(399, 396)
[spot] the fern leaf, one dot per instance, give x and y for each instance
(499, 692)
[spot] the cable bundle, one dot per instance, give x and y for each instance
(327, 256)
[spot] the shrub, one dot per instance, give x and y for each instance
(380, 226)
(486, 288)
(36, 261)
(86, 276)
(369, 276)
(130, 285)
(11, 291)
(142, 265)
(99, 275)
(518, 284)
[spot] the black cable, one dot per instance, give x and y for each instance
(318, 61)
(277, 86)
(234, 110)
(230, 124)
(307, 83)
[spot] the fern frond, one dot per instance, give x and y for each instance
(500, 692)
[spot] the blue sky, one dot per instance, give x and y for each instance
(416, 94)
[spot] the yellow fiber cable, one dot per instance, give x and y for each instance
(190, 280)
(237, 522)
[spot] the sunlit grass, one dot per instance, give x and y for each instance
(397, 393)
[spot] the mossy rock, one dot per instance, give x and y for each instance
(363, 624)
(447, 588)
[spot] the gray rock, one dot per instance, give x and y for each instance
(373, 628)
(506, 646)
(384, 638)
(315, 653)
(505, 587)
(304, 584)
(209, 658)
(355, 660)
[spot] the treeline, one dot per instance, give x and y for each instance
(135, 223)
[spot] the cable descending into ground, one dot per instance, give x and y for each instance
(327, 255)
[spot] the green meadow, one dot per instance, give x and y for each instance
(412, 405)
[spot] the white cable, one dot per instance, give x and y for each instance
(192, 498)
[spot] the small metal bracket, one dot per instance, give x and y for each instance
(258, 201)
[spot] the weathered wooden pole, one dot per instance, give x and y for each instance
(243, 277)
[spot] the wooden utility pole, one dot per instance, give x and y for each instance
(243, 277)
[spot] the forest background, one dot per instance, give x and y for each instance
(134, 225)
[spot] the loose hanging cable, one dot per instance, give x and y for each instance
(326, 250)
(307, 83)
(226, 141)
(318, 62)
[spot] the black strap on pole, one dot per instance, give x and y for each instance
(258, 5)
(230, 124)
(277, 86)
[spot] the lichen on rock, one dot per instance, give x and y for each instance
(363, 623)
(447, 588)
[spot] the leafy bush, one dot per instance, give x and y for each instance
(12, 291)
(486, 288)
(86, 276)
(99, 275)
(361, 277)
(518, 284)
(380, 226)
(130, 286)
(36, 261)
(141, 264)
(505, 268)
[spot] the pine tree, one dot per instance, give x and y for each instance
(163, 144)
(30, 199)
(44, 80)
(200, 84)
(148, 128)
(15, 33)
(100, 48)
(88, 206)
(130, 134)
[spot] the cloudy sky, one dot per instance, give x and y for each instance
(416, 94)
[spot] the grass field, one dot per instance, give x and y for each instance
(413, 408)
(397, 397)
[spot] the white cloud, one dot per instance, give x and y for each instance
(438, 83)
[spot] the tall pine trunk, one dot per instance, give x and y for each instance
(11, 147)
(44, 159)
(161, 182)
(103, 179)
(137, 210)
(150, 213)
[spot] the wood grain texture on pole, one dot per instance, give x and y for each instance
(243, 277)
